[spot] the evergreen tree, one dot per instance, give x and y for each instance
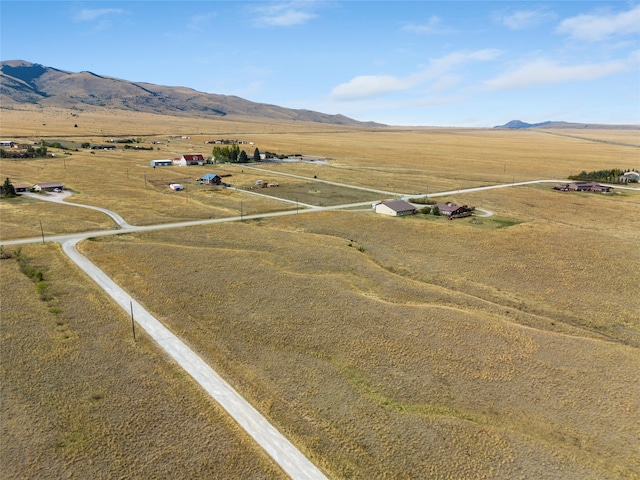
(7, 189)
(243, 158)
(256, 155)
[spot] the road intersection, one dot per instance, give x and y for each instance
(290, 459)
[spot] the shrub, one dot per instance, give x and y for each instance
(422, 201)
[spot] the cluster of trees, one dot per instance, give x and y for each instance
(233, 154)
(30, 152)
(138, 147)
(275, 155)
(610, 175)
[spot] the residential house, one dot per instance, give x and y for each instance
(47, 186)
(453, 210)
(211, 179)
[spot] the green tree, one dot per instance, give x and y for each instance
(7, 189)
(243, 158)
(435, 210)
(256, 155)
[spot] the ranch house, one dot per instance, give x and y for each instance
(211, 179)
(47, 186)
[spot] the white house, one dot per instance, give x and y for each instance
(395, 208)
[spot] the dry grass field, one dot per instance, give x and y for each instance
(80, 399)
(497, 347)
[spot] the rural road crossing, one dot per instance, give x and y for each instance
(268, 437)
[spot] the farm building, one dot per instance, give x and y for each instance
(167, 162)
(189, 159)
(453, 210)
(47, 186)
(211, 179)
(394, 208)
(176, 187)
(22, 187)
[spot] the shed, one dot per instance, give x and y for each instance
(21, 187)
(176, 187)
(395, 208)
(167, 162)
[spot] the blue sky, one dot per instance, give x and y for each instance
(453, 63)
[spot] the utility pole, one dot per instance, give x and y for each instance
(133, 324)
(42, 231)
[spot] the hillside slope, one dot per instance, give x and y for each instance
(25, 82)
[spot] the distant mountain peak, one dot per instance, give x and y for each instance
(515, 124)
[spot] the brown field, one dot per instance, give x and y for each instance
(498, 347)
(80, 399)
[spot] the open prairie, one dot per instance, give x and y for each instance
(416, 347)
(79, 398)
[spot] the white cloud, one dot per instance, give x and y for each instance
(600, 26)
(201, 21)
(368, 86)
(431, 26)
(524, 19)
(286, 14)
(89, 15)
(544, 71)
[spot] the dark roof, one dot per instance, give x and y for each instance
(50, 185)
(399, 205)
(448, 207)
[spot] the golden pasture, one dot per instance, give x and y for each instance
(494, 347)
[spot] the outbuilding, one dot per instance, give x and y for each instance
(167, 162)
(189, 159)
(176, 187)
(395, 208)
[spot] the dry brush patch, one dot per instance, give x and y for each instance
(80, 399)
(378, 364)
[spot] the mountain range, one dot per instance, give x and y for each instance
(518, 124)
(25, 82)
